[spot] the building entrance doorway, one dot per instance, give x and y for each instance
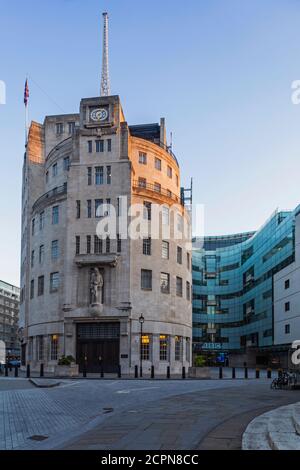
(98, 345)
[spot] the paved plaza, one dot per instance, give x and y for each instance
(133, 414)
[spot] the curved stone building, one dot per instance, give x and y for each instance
(85, 292)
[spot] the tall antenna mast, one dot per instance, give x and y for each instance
(105, 82)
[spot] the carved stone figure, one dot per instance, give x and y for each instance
(96, 284)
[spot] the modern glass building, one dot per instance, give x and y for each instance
(233, 290)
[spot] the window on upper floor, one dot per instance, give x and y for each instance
(32, 289)
(142, 182)
(66, 163)
(287, 306)
(188, 290)
(55, 215)
(42, 221)
(89, 208)
(54, 282)
(169, 172)
(108, 174)
(54, 170)
(98, 245)
(287, 284)
(98, 208)
(89, 174)
(32, 259)
(99, 146)
(165, 250)
(88, 244)
(157, 187)
(41, 254)
(59, 128)
(165, 283)
(165, 215)
(41, 283)
(78, 209)
(71, 127)
(109, 145)
(90, 146)
(179, 255)
(54, 250)
(143, 158)
(147, 246)
(119, 243)
(99, 175)
(147, 210)
(77, 245)
(146, 279)
(32, 227)
(158, 163)
(287, 329)
(179, 286)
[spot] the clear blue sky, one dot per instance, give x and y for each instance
(220, 71)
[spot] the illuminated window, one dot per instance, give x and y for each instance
(163, 347)
(53, 347)
(145, 348)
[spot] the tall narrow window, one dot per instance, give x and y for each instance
(89, 172)
(40, 348)
(99, 175)
(78, 209)
(158, 163)
(41, 282)
(165, 250)
(188, 291)
(109, 145)
(157, 187)
(145, 348)
(32, 227)
(188, 261)
(143, 158)
(55, 215)
(54, 282)
(59, 128)
(77, 245)
(66, 163)
(54, 250)
(165, 215)
(90, 146)
(32, 258)
(179, 255)
(178, 348)
(165, 283)
(42, 220)
(147, 210)
(71, 126)
(89, 208)
(99, 146)
(99, 208)
(88, 244)
(169, 172)
(179, 286)
(147, 246)
(163, 348)
(119, 243)
(107, 245)
(54, 169)
(146, 279)
(53, 347)
(32, 289)
(97, 245)
(41, 254)
(108, 175)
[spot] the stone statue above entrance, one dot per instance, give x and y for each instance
(96, 290)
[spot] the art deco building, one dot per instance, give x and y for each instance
(81, 294)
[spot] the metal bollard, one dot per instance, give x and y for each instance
(152, 372)
(119, 372)
(6, 370)
(168, 372)
(183, 372)
(269, 373)
(257, 373)
(16, 371)
(28, 371)
(220, 372)
(233, 372)
(42, 370)
(84, 371)
(246, 372)
(136, 372)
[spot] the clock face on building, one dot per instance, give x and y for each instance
(99, 115)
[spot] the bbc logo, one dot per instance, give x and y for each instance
(2, 92)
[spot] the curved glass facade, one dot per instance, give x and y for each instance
(233, 285)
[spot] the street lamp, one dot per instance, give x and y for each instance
(141, 320)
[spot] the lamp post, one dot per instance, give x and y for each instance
(141, 320)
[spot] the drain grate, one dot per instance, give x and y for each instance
(38, 438)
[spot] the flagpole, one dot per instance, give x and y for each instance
(26, 96)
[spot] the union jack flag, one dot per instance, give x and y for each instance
(26, 93)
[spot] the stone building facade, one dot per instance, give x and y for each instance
(83, 293)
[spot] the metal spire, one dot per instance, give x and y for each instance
(105, 82)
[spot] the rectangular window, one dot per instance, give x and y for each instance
(54, 282)
(47, 177)
(165, 250)
(169, 172)
(107, 245)
(54, 170)
(107, 207)
(147, 210)
(99, 146)
(157, 187)
(90, 146)
(77, 240)
(178, 348)
(99, 175)
(119, 243)
(177, 181)
(188, 291)
(163, 348)
(40, 348)
(55, 215)
(146, 279)
(143, 158)
(59, 128)
(287, 306)
(188, 349)
(179, 286)
(109, 145)
(179, 255)
(54, 347)
(142, 182)
(32, 259)
(89, 171)
(32, 289)
(287, 329)
(66, 163)
(54, 250)
(32, 227)
(88, 244)
(42, 220)
(89, 209)
(188, 261)
(287, 284)
(108, 175)
(98, 248)
(147, 246)
(179, 223)
(71, 126)
(78, 209)
(145, 348)
(158, 163)
(165, 283)
(99, 208)
(165, 215)
(41, 282)
(41, 254)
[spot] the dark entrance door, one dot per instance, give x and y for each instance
(98, 343)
